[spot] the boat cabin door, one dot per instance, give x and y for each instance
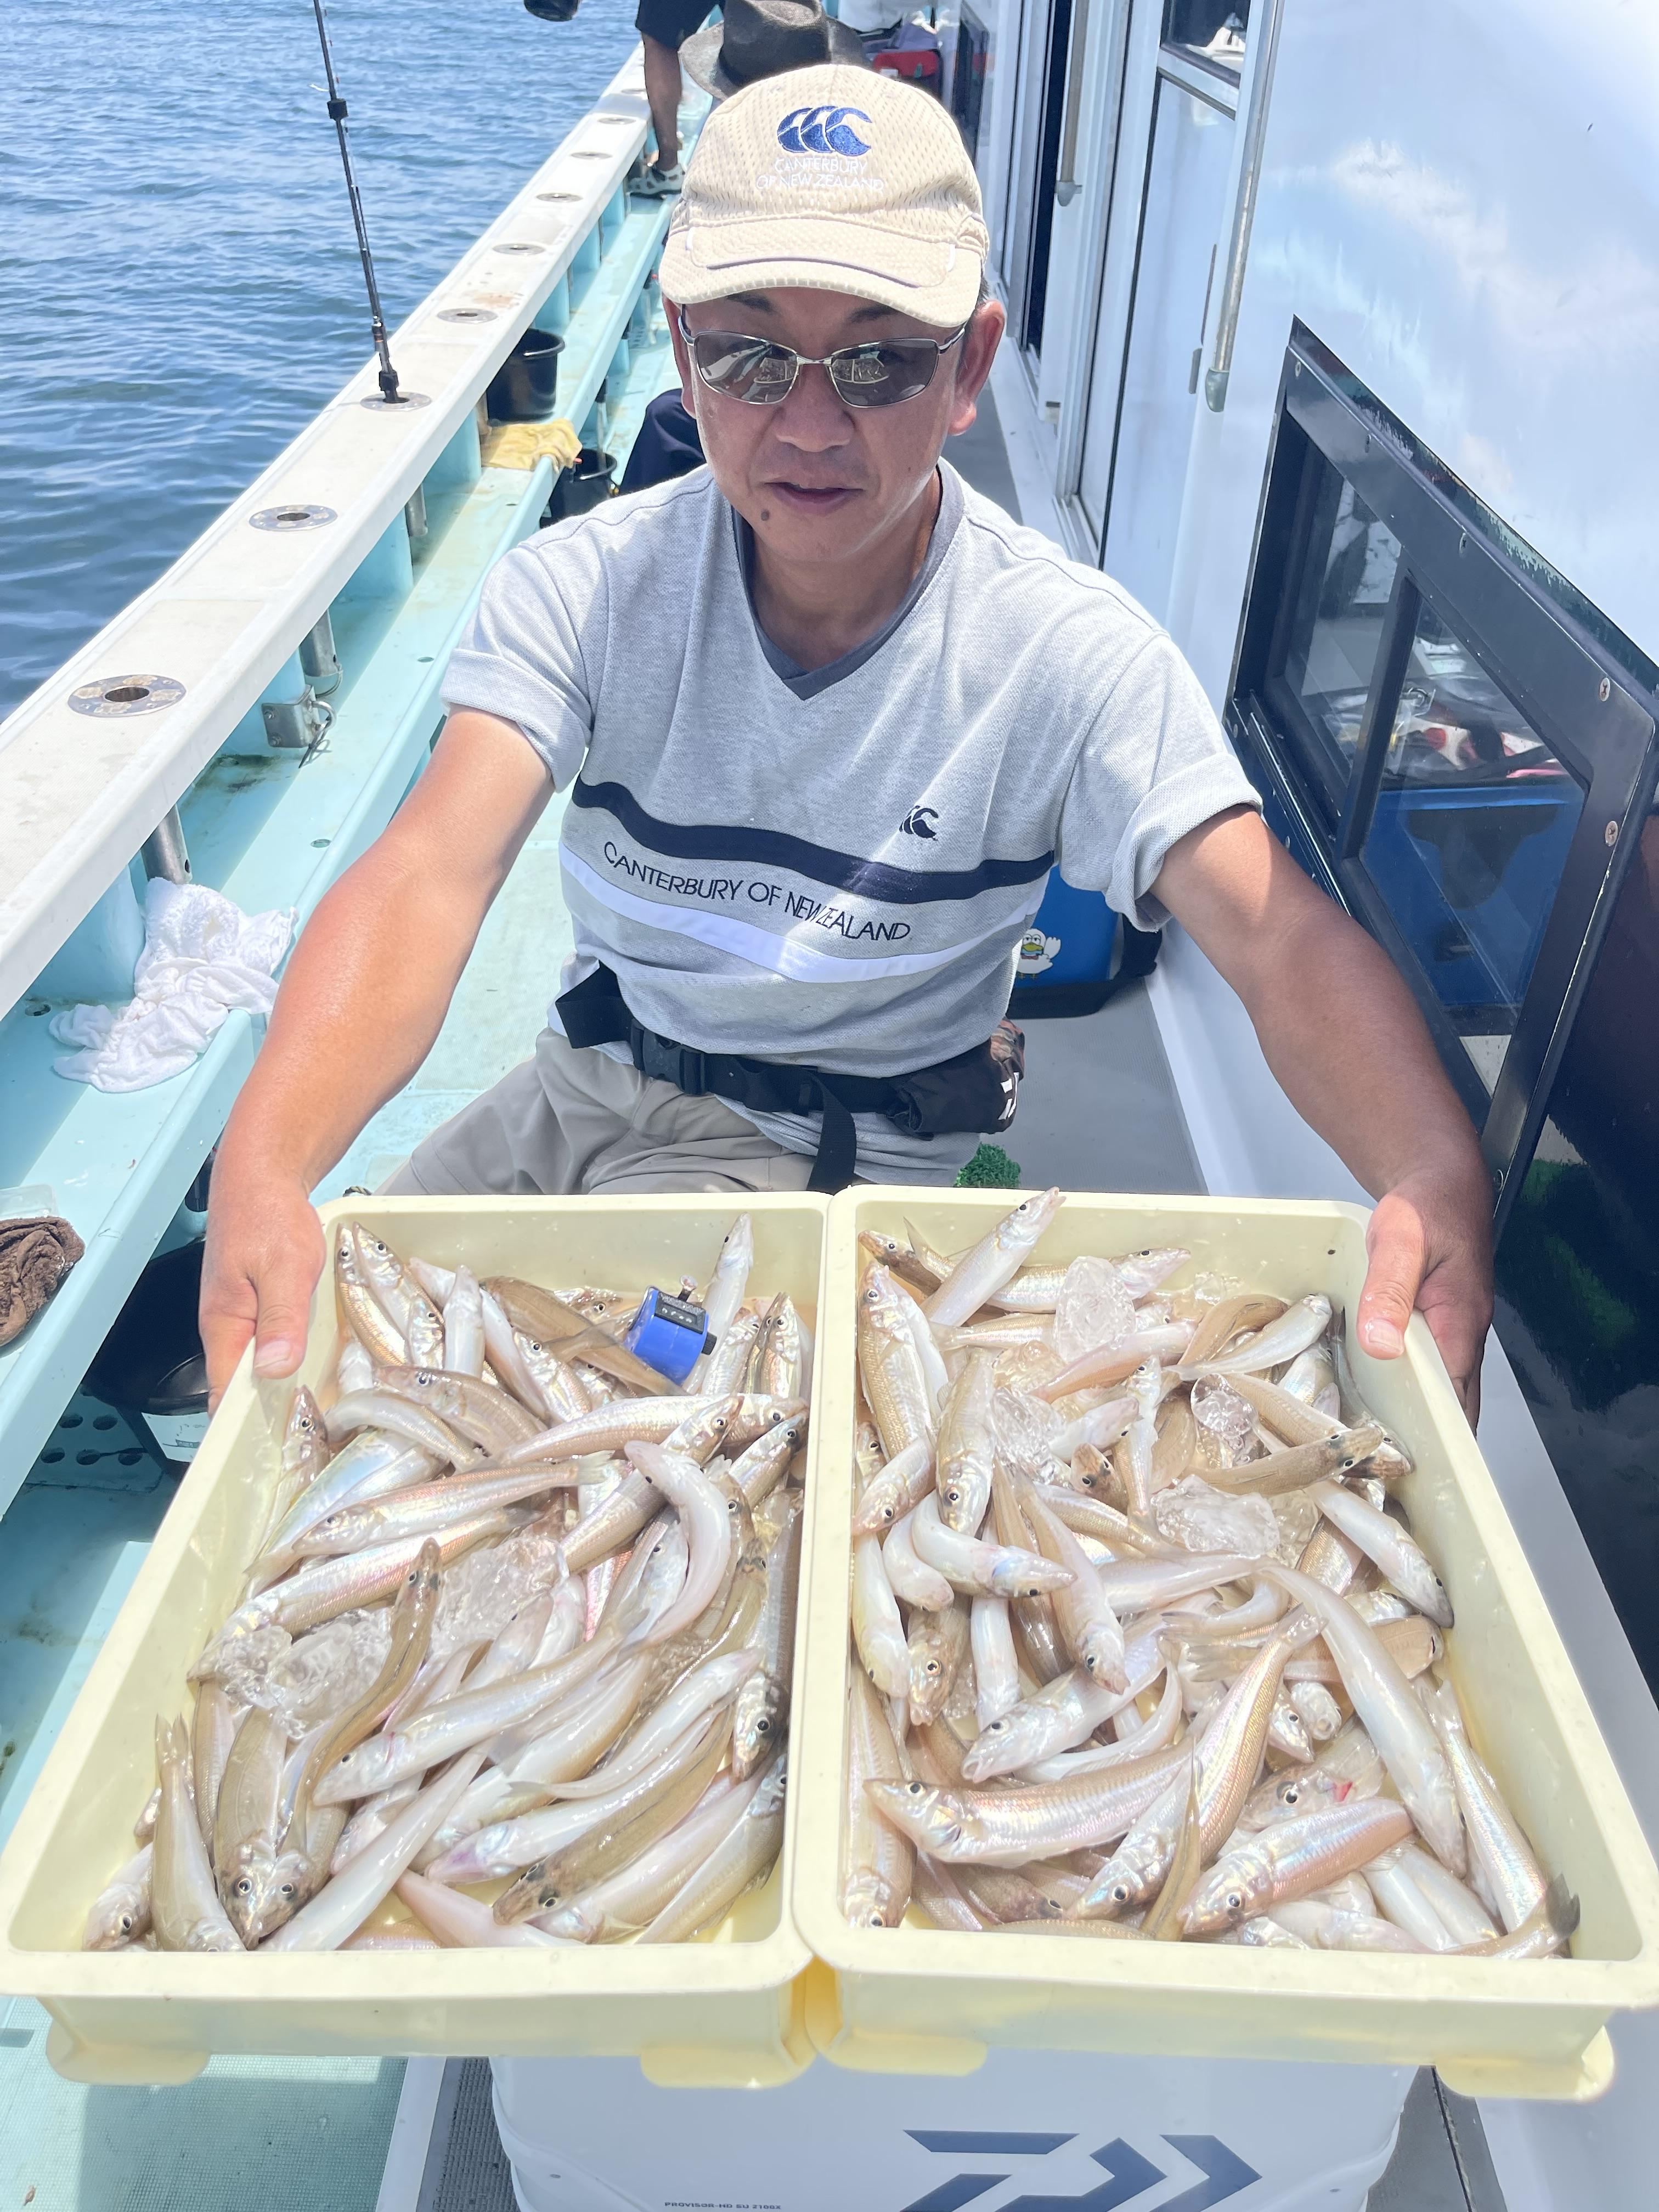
(1167, 78)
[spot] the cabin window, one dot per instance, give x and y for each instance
(1335, 618)
(1460, 748)
(1210, 32)
(1470, 827)
(1448, 738)
(973, 57)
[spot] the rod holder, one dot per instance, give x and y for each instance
(318, 660)
(163, 855)
(296, 725)
(415, 514)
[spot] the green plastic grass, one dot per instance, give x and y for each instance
(990, 1168)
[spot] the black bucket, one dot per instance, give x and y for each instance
(526, 385)
(583, 486)
(150, 1365)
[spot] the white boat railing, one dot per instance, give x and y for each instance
(80, 791)
(388, 522)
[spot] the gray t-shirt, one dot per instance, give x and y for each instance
(838, 872)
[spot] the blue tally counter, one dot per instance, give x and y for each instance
(670, 1335)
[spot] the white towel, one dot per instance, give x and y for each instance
(203, 956)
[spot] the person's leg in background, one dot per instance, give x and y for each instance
(663, 27)
(663, 87)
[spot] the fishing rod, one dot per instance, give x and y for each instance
(336, 110)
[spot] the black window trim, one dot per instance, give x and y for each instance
(1521, 621)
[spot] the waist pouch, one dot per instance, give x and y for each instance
(976, 1092)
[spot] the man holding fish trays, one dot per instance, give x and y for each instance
(826, 719)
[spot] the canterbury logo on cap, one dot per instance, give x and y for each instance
(823, 130)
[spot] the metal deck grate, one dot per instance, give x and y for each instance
(467, 2170)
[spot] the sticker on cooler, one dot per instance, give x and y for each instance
(1036, 952)
(178, 1434)
(1129, 2172)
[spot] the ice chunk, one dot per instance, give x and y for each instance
(485, 1587)
(1094, 1308)
(1025, 1426)
(1191, 1513)
(1028, 1366)
(1297, 1517)
(300, 1680)
(1226, 1424)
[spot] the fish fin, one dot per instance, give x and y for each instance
(1562, 1906)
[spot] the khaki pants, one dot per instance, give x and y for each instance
(569, 1120)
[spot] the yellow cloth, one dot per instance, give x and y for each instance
(521, 445)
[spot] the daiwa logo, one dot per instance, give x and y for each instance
(1128, 2173)
(823, 130)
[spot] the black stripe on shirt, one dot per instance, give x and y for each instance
(871, 880)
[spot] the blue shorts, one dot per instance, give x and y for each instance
(671, 23)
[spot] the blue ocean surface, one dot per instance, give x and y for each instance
(176, 251)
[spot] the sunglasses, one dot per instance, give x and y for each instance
(879, 374)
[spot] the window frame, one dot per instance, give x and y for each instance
(1524, 623)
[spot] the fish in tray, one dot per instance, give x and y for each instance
(512, 1666)
(1142, 1642)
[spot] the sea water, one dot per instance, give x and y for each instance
(180, 275)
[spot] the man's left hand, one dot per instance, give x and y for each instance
(1430, 1247)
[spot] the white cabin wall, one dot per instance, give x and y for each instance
(996, 124)
(1470, 223)
(1464, 206)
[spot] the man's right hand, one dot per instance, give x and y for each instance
(264, 1253)
(363, 998)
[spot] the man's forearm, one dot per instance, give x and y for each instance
(1341, 1031)
(361, 1002)
(1343, 1036)
(370, 980)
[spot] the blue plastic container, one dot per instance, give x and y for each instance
(1075, 954)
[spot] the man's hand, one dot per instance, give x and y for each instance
(1430, 1247)
(1344, 1037)
(363, 998)
(264, 1252)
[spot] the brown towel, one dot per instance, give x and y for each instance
(35, 1255)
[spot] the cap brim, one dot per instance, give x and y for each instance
(700, 57)
(935, 282)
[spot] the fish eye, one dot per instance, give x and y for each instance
(285, 1889)
(917, 1789)
(1233, 1901)
(243, 1886)
(930, 1667)
(762, 1726)
(1119, 1893)
(124, 1923)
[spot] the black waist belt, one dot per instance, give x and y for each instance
(977, 1091)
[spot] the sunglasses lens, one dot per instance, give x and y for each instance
(878, 376)
(742, 368)
(882, 375)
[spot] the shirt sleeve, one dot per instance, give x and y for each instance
(520, 656)
(1155, 764)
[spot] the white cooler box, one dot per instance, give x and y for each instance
(1030, 2131)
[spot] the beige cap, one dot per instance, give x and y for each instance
(834, 179)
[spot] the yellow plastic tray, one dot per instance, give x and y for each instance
(917, 1999)
(723, 2012)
